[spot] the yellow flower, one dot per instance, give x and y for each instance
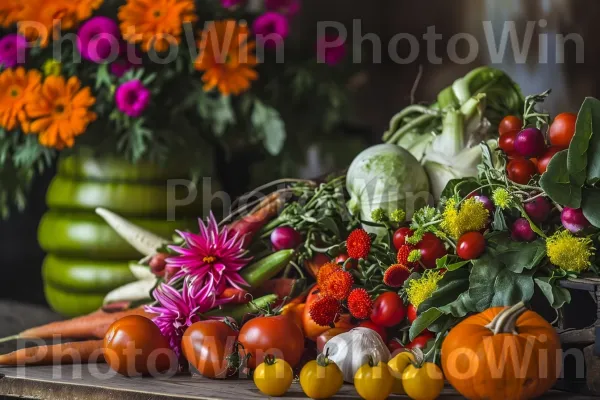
(421, 289)
(502, 199)
(398, 215)
(569, 252)
(471, 216)
(52, 67)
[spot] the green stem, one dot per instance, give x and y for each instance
(9, 338)
(423, 119)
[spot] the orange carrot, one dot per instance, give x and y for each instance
(91, 326)
(89, 351)
(250, 224)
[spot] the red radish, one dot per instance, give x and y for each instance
(487, 203)
(507, 142)
(420, 342)
(470, 246)
(395, 346)
(530, 143)
(400, 237)
(158, 264)
(574, 220)
(522, 232)
(285, 237)
(538, 209)
(431, 248)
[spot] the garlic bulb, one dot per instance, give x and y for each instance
(353, 349)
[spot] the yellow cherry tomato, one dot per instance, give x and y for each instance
(424, 383)
(273, 377)
(374, 382)
(321, 379)
(397, 366)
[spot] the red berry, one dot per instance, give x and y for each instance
(470, 246)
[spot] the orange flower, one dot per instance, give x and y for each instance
(338, 285)
(17, 87)
(225, 57)
(10, 11)
(41, 17)
(61, 111)
(155, 23)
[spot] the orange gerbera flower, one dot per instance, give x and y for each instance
(225, 57)
(17, 87)
(155, 23)
(41, 17)
(61, 111)
(10, 11)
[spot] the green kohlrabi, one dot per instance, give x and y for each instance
(388, 177)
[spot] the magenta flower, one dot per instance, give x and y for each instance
(330, 50)
(99, 39)
(286, 7)
(13, 48)
(120, 67)
(132, 98)
(231, 3)
(176, 311)
(211, 258)
(271, 28)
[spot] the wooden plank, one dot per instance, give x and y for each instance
(97, 382)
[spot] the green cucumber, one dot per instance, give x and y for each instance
(266, 268)
(84, 235)
(85, 276)
(72, 304)
(240, 311)
(125, 198)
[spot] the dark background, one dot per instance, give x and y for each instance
(382, 89)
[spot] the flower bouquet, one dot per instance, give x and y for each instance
(170, 81)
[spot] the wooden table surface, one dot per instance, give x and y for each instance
(97, 382)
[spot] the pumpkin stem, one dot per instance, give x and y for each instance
(506, 321)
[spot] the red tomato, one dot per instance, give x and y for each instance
(134, 346)
(324, 337)
(470, 245)
(520, 170)
(509, 124)
(507, 142)
(411, 313)
(544, 160)
(376, 328)
(207, 344)
(420, 342)
(400, 237)
(431, 248)
(394, 345)
(562, 130)
(388, 310)
(276, 335)
(341, 259)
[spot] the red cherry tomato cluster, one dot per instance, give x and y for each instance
(528, 150)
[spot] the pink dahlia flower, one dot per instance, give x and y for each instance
(212, 258)
(12, 50)
(286, 7)
(231, 3)
(330, 50)
(271, 28)
(176, 311)
(99, 39)
(132, 98)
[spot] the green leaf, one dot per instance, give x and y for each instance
(462, 186)
(103, 77)
(457, 265)
(499, 222)
(523, 256)
(270, 127)
(423, 321)
(217, 112)
(591, 205)
(492, 284)
(557, 296)
(450, 297)
(557, 183)
(582, 162)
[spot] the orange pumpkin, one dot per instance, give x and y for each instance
(502, 353)
(311, 328)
